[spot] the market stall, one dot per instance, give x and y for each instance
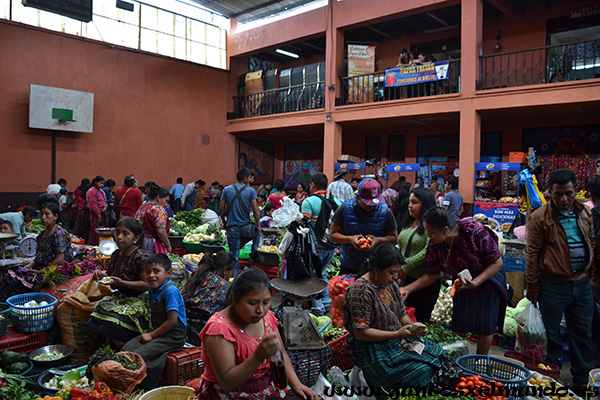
(501, 210)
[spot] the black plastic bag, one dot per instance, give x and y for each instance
(449, 374)
(302, 260)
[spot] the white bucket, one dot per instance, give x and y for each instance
(170, 393)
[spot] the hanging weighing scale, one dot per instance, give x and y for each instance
(299, 329)
(106, 243)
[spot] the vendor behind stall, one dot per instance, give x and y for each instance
(205, 291)
(53, 244)
(153, 217)
(125, 315)
(365, 215)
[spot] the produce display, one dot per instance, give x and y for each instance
(108, 354)
(55, 355)
(541, 382)
(194, 258)
(186, 222)
(34, 303)
(206, 234)
(268, 249)
(13, 363)
(441, 335)
(58, 382)
(333, 269)
(330, 333)
(442, 311)
(338, 286)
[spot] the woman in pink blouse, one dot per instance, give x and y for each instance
(96, 202)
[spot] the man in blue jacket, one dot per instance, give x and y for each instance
(366, 215)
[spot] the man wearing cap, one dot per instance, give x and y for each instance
(365, 215)
(341, 188)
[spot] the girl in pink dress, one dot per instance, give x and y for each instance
(238, 343)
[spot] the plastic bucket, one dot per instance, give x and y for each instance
(170, 393)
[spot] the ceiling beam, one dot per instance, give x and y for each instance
(379, 32)
(499, 4)
(255, 8)
(438, 19)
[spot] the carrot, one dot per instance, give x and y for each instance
(454, 286)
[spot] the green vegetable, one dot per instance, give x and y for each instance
(333, 269)
(510, 323)
(9, 357)
(520, 307)
(192, 218)
(48, 357)
(16, 391)
(440, 335)
(18, 367)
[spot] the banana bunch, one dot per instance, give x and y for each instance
(581, 195)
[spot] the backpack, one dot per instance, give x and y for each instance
(328, 208)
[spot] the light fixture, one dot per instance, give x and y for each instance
(123, 5)
(287, 53)
(498, 46)
(328, 117)
(586, 66)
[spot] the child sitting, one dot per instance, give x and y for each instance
(267, 220)
(167, 314)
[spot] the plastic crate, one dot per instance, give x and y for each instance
(32, 319)
(271, 271)
(182, 366)
(4, 316)
(22, 342)
(506, 342)
(517, 156)
(339, 353)
(514, 264)
(512, 376)
(308, 364)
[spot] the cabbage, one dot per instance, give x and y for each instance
(520, 307)
(510, 323)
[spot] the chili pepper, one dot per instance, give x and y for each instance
(96, 394)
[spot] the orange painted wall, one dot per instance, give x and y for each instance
(155, 117)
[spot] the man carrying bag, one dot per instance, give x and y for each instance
(235, 205)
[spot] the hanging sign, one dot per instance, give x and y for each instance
(403, 167)
(350, 166)
(417, 74)
(361, 61)
(500, 215)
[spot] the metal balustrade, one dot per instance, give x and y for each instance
(293, 98)
(370, 88)
(547, 64)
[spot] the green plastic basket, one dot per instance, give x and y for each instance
(193, 247)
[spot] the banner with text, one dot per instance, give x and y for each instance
(500, 215)
(417, 74)
(361, 60)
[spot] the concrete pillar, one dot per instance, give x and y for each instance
(332, 147)
(470, 145)
(334, 59)
(471, 34)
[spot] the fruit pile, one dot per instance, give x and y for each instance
(338, 286)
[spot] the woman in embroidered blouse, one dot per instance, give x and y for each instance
(479, 306)
(413, 242)
(238, 343)
(380, 338)
(153, 217)
(205, 291)
(96, 201)
(54, 243)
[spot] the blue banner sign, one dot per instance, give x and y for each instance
(403, 167)
(349, 166)
(493, 166)
(500, 215)
(417, 74)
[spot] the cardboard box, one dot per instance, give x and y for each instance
(348, 158)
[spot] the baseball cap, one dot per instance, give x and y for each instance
(369, 192)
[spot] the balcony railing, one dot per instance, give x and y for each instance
(370, 88)
(277, 101)
(547, 64)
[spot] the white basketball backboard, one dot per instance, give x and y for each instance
(61, 109)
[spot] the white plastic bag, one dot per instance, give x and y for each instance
(286, 213)
(530, 328)
(210, 217)
(324, 388)
(357, 379)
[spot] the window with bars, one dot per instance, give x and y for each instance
(146, 28)
(392, 146)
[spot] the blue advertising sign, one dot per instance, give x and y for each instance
(403, 167)
(349, 166)
(496, 166)
(500, 215)
(417, 74)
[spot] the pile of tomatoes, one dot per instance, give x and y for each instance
(338, 286)
(475, 384)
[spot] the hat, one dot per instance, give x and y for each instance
(339, 173)
(369, 192)
(62, 190)
(481, 218)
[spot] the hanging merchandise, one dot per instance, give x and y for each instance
(534, 196)
(584, 168)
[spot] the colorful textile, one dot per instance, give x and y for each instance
(127, 268)
(208, 296)
(369, 306)
(390, 195)
(386, 364)
(58, 242)
(244, 344)
(257, 389)
(301, 196)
